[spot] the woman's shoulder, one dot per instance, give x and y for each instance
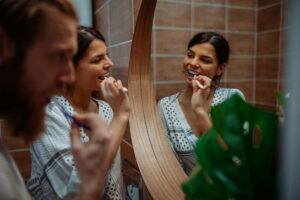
(229, 91)
(223, 94)
(103, 105)
(168, 99)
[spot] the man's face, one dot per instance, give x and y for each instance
(47, 65)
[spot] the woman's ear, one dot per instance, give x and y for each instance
(221, 69)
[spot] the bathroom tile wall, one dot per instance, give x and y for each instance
(255, 29)
(271, 27)
(177, 21)
(115, 19)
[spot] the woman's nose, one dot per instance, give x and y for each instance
(195, 63)
(108, 64)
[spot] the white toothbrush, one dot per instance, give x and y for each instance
(124, 89)
(198, 83)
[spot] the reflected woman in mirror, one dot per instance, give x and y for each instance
(53, 174)
(203, 66)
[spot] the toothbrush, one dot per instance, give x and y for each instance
(124, 89)
(71, 118)
(198, 83)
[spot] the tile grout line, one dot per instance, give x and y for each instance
(255, 52)
(226, 35)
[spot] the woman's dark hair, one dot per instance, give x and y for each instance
(218, 41)
(85, 36)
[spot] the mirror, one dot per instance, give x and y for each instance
(255, 30)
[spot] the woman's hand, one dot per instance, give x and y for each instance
(201, 102)
(91, 159)
(113, 93)
(201, 93)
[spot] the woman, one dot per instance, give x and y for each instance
(53, 174)
(203, 66)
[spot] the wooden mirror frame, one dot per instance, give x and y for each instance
(158, 165)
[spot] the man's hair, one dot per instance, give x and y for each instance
(21, 21)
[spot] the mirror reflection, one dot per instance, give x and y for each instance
(254, 31)
(203, 66)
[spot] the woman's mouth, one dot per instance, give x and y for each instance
(104, 76)
(191, 74)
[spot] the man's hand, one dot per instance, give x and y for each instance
(91, 159)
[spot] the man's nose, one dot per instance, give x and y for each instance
(68, 75)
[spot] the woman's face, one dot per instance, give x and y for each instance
(201, 59)
(93, 66)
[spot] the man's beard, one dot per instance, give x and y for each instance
(22, 115)
(27, 120)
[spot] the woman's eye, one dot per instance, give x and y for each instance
(97, 60)
(206, 60)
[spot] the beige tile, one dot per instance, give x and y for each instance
(283, 68)
(128, 154)
(245, 86)
(267, 68)
(240, 68)
(121, 74)
(121, 21)
(284, 15)
(265, 92)
(102, 23)
(268, 43)
(130, 168)
(209, 17)
(23, 162)
(284, 42)
(211, 1)
(98, 3)
(241, 44)
(173, 15)
(267, 2)
(245, 3)
(241, 20)
(266, 107)
(120, 55)
(163, 90)
(269, 18)
(169, 69)
(171, 42)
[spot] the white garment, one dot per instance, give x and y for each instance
(179, 133)
(53, 174)
(11, 182)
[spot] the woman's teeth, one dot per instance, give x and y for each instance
(104, 76)
(192, 74)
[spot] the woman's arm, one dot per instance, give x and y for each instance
(113, 93)
(201, 104)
